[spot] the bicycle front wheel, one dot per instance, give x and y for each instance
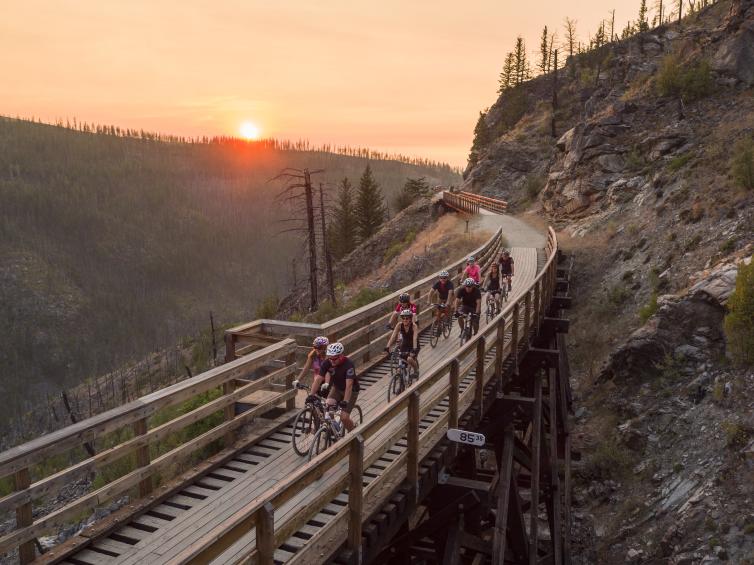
(446, 327)
(434, 333)
(320, 442)
(397, 386)
(304, 427)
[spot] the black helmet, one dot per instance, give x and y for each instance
(405, 297)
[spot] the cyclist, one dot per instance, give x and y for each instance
(404, 303)
(339, 374)
(409, 332)
(492, 283)
(314, 359)
(469, 301)
(506, 267)
(442, 292)
(472, 270)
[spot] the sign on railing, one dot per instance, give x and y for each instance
(467, 437)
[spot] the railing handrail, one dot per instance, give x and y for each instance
(249, 514)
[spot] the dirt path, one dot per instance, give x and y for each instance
(518, 232)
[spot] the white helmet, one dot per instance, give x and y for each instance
(470, 259)
(335, 349)
(444, 274)
(407, 313)
(469, 282)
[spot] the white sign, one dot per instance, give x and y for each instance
(469, 438)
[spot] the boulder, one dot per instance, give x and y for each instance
(735, 56)
(611, 163)
(718, 285)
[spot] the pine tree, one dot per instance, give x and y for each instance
(482, 136)
(521, 65)
(544, 52)
(412, 190)
(370, 206)
(507, 76)
(642, 24)
(342, 229)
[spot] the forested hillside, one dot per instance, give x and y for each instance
(113, 246)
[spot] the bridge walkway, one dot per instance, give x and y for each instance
(167, 532)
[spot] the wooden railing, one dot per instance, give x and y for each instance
(508, 334)
(472, 203)
(125, 432)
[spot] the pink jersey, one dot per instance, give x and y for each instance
(411, 306)
(473, 272)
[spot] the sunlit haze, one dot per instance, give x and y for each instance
(407, 77)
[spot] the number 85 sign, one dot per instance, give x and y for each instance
(469, 438)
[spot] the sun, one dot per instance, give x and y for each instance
(249, 131)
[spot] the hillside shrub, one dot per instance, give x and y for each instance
(689, 81)
(739, 321)
(649, 309)
(399, 246)
(533, 185)
(679, 162)
(742, 164)
(268, 308)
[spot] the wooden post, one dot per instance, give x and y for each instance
(290, 404)
(535, 462)
(230, 411)
(479, 376)
(557, 545)
(503, 497)
(26, 551)
(230, 347)
(355, 496)
(266, 534)
(453, 394)
(514, 337)
(527, 316)
(412, 461)
(537, 304)
(142, 457)
(499, 353)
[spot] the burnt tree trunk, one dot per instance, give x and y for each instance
(326, 247)
(314, 304)
(554, 93)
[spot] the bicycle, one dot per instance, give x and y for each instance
(403, 376)
(331, 429)
(491, 307)
(439, 327)
(467, 329)
(307, 422)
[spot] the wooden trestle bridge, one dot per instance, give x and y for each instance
(394, 490)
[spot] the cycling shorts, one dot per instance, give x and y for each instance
(337, 395)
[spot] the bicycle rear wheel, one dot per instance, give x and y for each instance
(320, 442)
(357, 416)
(434, 334)
(304, 427)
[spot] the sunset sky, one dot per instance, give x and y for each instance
(403, 76)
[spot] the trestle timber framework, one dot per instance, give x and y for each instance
(509, 502)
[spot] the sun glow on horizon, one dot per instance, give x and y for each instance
(249, 131)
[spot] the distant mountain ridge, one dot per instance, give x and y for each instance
(113, 246)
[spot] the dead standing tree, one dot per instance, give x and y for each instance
(326, 247)
(298, 190)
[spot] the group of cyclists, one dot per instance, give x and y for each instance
(335, 374)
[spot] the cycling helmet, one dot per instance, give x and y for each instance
(405, 297)
(320, 341)
(407, 313)
(469, 282)
(470, 259)
(506, 252)
(335, 349)
(444, 274)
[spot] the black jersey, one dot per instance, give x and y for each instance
(340, 374)
(443, 289)
(469, 298)
(493, 283)
(407, 338)
(506, 265)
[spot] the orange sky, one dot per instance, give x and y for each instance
(406, 76)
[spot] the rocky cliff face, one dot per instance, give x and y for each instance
(640, 186)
